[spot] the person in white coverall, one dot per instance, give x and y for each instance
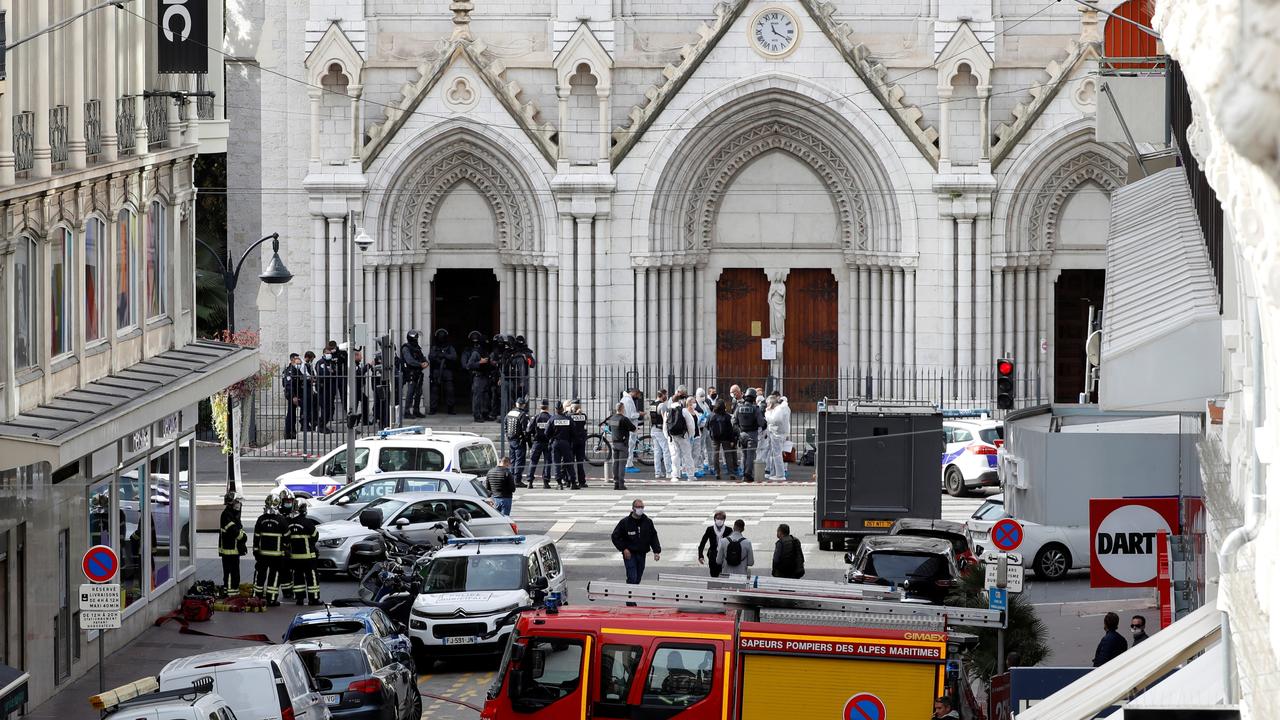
(778, 421)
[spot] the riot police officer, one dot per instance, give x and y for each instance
(268, 552)
(524, 365)
(231, 542)
(517, 431)
(499, 354)
(476, 360)
(443, 358)
(560, 433)
(415, 363)
(304, 533)
(578, 426)
(539, 429)
(748, 420)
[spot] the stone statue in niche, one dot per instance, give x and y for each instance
(777, 304)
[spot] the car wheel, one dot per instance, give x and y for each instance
(415, 709)
(953, 482)
(1052, 562)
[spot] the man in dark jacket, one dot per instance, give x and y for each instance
(442, 359)
(303, 533)
(1112, 643)
(539, 428)
(619, 428)
(634, 537)
(231, 543)
(560, 435)
(788, 556)
(295, 384)
(711, 541)
(268, 551)
(502, 485)
(415, 364)
(517, 426)
(748, 420)
(578, 420)
(723, 439)
(475, 359)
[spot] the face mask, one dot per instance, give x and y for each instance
(1135, 630)
(639, 512)
(719, 524)
(328, 356)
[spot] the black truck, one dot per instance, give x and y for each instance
(875, 463)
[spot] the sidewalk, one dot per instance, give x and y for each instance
(1075, 628)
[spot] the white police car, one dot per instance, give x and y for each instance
(402, 449)
(472, 583)
(969, 461)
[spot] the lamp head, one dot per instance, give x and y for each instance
(275, 273)
(363, 240)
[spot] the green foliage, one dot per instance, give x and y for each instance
(1025, 635)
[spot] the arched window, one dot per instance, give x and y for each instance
(62, 272)
(126, 269)
(95, 279)
(157, 277)
(25, 283)
(1124, 39)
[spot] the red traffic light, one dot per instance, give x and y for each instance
(1004, 367)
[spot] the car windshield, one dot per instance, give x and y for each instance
(326, 629)
(992, 434)
(336, 663)
(896, 567)
(473, 573)
(388, 507)
(990, 510)
(958, 542)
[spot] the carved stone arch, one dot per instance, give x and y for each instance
(456, 158)
(1086, 167)
(334, 48)
(693, 184)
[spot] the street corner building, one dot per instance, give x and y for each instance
(100, 367)
(884, 186)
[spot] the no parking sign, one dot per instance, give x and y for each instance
(864, 706)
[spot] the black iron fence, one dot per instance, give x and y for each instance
(304, 415)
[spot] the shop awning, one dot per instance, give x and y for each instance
(86, 419)
(13, 690)
(1161, 330)
(1135, 669)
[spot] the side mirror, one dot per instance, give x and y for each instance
(324, 684)
(462, 515)
(537, 662)
(371, 518)
(345, 499)
(401, 522)
(404, 659)
(848, 558)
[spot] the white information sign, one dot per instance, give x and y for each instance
(1013, 573)
(100, 607)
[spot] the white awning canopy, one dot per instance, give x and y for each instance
(1133, 670)
(1161, 329)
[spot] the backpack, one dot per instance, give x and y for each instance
(675, 422)
(733, 552)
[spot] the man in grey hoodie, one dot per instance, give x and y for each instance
(736, 547)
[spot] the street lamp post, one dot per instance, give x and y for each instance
(359, 239)
(276, 274)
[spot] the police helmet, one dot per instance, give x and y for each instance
(285, 500)
(412, 336)
(498, 339)
(475, 336)
(750, 394)
(544, 404)
(233, 498)
(442, 334)
(509, 339)
(520, 341)
(300, 505)
(521, 402)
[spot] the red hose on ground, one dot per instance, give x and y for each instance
(442, 698)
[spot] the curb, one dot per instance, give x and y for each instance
(1087, 608)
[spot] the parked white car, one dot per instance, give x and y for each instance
(194, 702)
(969, 460)
(347, 501)
(411, 516)
(403, 449)
(471, 584)
(1050, 551)
(259, 683)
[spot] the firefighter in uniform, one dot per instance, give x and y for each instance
(268, 551)
(304, 533)
(287, 573)
(560, 433)
(231, 542)
(578, 435)
(538, 428)
(517, 430)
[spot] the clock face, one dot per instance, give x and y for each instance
(774, 32)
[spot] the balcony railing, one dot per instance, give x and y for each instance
(124, 125)
(1208, 209)
(157, 121)
(59, 135)
(204, 105)
(93, 128)
(24, 128)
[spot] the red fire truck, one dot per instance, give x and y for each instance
(776, 650)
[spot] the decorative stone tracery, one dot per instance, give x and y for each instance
(1052, 195)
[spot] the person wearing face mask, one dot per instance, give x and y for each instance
(1138, 626)
(294, 383)
(711, 541)
(634, 537)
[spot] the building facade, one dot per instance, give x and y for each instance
(654, 184)
(100, 369)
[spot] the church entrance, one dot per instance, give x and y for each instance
(811, 346)
(742, 319)
(462, 301)
(1073, 293)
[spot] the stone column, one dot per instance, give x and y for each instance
(142, 143)
(354, 91)
(109, 90)
(663, 302)
(1026, 302)
(982, 292)
(583, 315)
(899, 322)
(964, 291)
(562, 95)
(394, 317)
(910, 328)
(984, 122)
(543, 348)
(507, 304)
(318, 276)
(521, 323)
(369, 300)
(653, 338)
(553, 283)
(873, 307)
(997, 313)
(336, 246)
(642, 316)
(1042, 325)
(687, 346)
(603, 94)
(6, 151)
(76, 158)
(315, 94)
(865, 356)
(944, 124)
(36, 53)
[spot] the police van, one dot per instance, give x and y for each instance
(400, 449)
(970, 459)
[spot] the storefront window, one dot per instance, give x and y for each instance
(186, 502)
(95, 268)
(130, 549)
(100, 513)
(164, 531)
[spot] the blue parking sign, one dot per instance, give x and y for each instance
(997, 598)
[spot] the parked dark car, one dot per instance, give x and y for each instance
(353, 621)
(925, 568)
(368, 683)
(953, 532)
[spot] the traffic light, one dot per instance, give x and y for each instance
(1004, 383)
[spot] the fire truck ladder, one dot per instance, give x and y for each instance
(797, 601)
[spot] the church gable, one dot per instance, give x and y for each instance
(1060, 73)
(733, 16)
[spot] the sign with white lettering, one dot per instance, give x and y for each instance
(138, 442)
(100, 607)
(182, 36)
(1014, 571)
(1123, 539)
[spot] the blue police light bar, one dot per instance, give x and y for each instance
(513, 539)
(969, 413)
(411, 430)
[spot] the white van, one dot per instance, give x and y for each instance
(414, 449)
(259, 683)
(193, 702)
